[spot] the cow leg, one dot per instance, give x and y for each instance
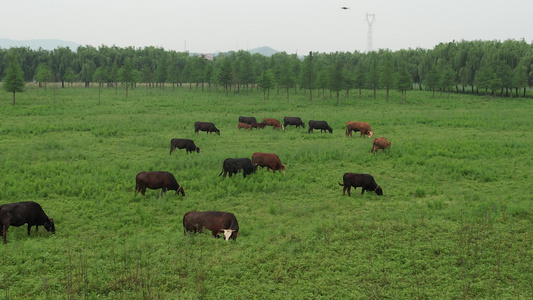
(143, 190)
(363, 191)
(4, 233)
(29, 227)
(343, 190)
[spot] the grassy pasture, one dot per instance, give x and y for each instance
(455, 220)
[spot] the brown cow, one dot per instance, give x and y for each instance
(216, 221)
(157, 180)
(269, 160)
(245, 126)
(273, 122)
(380, 143)
(366, 181)
(363, 127)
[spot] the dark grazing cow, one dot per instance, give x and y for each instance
(293, 121)
(380, 143)
(234, 165)
(157, 180)
(186, 144)
(245, 126)
(273, 122)
(269, 160)
(366, 181)
(247, 120)
(322, 125)
(205, 126)
(20, 213)
(363, 127)
(259, 125)
(218, 222)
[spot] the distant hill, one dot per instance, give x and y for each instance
(46, 44)
(265, 51)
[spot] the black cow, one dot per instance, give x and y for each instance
(216, 221)
(186, 144)
(20, 213)
(366, 181)
(322, 125)
(293, 121)
(205, 126)
(157, 180)
(234, 165)
(247, 120)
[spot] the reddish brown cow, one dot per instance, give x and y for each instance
(366, 181)
(380, 143)
(216, 221)
(157, 180)
(245, 126)
(363, 127)
(259, 125)
(269, 160)
(273, 122)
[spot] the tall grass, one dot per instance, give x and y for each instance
(454, 221)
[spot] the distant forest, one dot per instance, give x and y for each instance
(479, 67)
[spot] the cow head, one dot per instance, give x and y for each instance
(378, 190)
(370, 134)
(49, 225)
(180, 190)
(218, 132)
(197, 149)
(283, 168)
(330, 129)
(229, 234)
(282, 127)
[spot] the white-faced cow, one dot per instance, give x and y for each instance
(363, 127)
(186, 144)
(218, 222)
(208, 127)
(365, 181)
(296, 121)
(157, 180)
(20, 213)
(322, 125)
(380, 143)
(234, 165)
(269, 160)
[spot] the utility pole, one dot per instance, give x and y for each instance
(370, 18)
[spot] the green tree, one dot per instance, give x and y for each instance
(336, 78)
(404, 81)
(126, 74)
(43, 74)
(520, 78)
(226, 74)
(69, 76)
(14, 79)
(266, 82)
(386, 73)
(308, 76)
(373, 76)
(101, 75)
(432, 80)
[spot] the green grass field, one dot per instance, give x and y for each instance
(455, 220)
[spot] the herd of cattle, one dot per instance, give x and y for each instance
(219, 223)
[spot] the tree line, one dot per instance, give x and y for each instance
(479, 67)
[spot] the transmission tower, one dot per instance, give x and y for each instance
(370, 18)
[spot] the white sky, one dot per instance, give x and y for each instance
(285, 25)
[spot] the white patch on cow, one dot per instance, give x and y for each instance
(227, 234)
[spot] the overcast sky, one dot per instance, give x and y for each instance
(294, 26)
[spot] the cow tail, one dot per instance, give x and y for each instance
(340, 183)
